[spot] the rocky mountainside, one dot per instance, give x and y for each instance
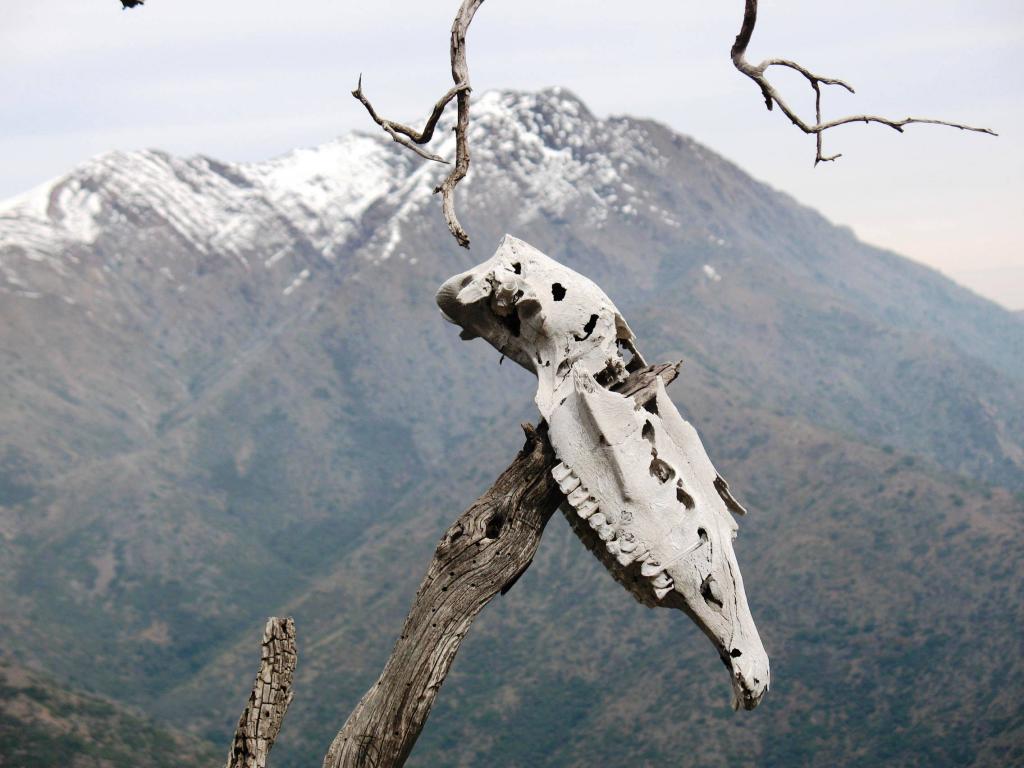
(42, 723)
(225, 392)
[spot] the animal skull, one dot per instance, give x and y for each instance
(641, 491)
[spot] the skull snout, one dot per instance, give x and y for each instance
(749, 673)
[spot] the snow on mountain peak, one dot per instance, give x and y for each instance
(314, 201)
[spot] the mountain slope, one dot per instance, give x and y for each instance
(226, 393)
(42, 724)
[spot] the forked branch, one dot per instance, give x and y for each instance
(757, 73)
(412, 139)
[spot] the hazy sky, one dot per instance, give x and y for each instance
(249, 79)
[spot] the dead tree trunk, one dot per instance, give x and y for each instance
(481, 554)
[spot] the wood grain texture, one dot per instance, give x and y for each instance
(482, 554)
(268, 702)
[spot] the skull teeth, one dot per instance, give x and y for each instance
(625, 558)
(569, 484)
(624, 548)
(560, 472)
(650, 568)
(578, 496)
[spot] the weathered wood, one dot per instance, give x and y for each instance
(481, 554)
(268, 702)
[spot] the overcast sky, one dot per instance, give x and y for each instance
(250, 79)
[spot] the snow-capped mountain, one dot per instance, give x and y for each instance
(225, 392)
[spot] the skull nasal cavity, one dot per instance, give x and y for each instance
(558, 291)
(661, 470)
(707, 591)
(683, 496)
(587, 329)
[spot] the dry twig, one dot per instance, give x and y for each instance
(771, 96)
(411, 138)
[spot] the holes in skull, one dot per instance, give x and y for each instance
(660, 468)
(494, 526)
(703, 535)
(651, 406)
(735, 653)
(517, 268)
(466, 281)
(682, 496)
(634, 359)
(607, 376)
(587, 329)
(709, 592)
(558, 291)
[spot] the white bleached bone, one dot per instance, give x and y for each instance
(662, 580)
(560, 472)
(578, 496)
(570, 484)
(646, 485)
(651, 568)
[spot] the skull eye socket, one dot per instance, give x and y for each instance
(709, 591)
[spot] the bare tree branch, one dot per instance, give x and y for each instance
(412, 139)
(271, 694)
(771, 96)
(404, 134)
(409, 137)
